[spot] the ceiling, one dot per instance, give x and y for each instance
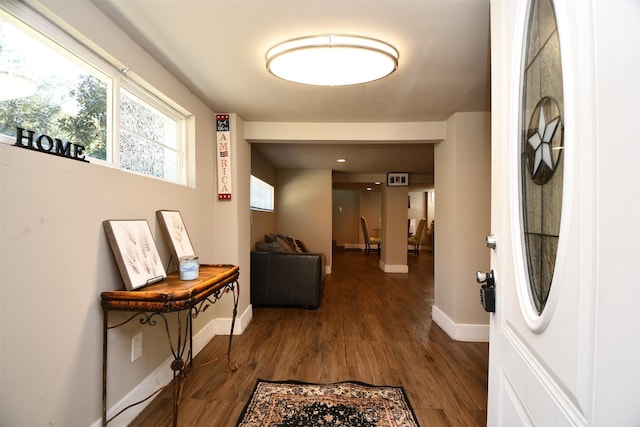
(217, 47)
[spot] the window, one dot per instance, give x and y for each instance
(148, 139)
(541, 150)
(73, 95)
(261, 195)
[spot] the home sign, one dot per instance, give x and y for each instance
(45, 144)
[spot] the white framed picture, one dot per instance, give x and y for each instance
(135, 252)
(175, 234)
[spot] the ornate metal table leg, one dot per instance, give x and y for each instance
(178, 365)
(190, 328)
(235, 291)
(105, 322)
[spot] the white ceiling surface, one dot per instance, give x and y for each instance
(217, 48)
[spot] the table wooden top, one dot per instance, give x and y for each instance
(172, 293)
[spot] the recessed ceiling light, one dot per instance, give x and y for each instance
(332, 60)
(341, 160)
(369, 188)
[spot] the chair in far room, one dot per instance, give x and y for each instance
(368, 240)
(414, 241)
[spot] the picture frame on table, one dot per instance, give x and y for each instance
(175, 234)
(397, 179)
(135, 252)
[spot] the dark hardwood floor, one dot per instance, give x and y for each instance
(371, 327)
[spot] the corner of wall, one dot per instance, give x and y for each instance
(460, 332)
(393, 268)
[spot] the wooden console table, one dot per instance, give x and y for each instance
(171, 295)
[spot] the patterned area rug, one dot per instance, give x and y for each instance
(352, 404)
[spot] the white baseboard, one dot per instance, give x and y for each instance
(222, 325)
(390, 268)
(460, 332)
(163, 374)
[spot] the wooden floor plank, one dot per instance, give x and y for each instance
(371, 327)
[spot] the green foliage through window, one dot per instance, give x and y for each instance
(89, 126)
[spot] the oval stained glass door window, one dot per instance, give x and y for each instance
(541, 149)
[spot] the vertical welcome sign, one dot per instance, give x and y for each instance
(223, 149)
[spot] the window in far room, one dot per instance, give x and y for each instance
(261, 195)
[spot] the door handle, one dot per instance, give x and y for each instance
(487, 290)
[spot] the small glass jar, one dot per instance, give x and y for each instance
(189, 267)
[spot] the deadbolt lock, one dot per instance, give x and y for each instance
(487, 290)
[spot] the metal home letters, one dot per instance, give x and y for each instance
(45, 144)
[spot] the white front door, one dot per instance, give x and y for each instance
(542, 333)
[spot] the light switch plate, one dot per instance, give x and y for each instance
(136, 347)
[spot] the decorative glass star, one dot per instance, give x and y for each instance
(541, 141)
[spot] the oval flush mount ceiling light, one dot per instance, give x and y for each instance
(332, 60)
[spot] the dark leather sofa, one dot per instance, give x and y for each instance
(286, 279)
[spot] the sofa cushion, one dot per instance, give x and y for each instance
(280, 243)
(270, 247)
(285, 242)
(300, 247)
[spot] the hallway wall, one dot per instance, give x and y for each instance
(346, 211)
(463, 214)
(303, 206)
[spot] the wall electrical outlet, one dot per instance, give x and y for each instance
(136, 346)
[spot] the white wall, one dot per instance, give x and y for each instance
(55, 259)
(462, 182)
